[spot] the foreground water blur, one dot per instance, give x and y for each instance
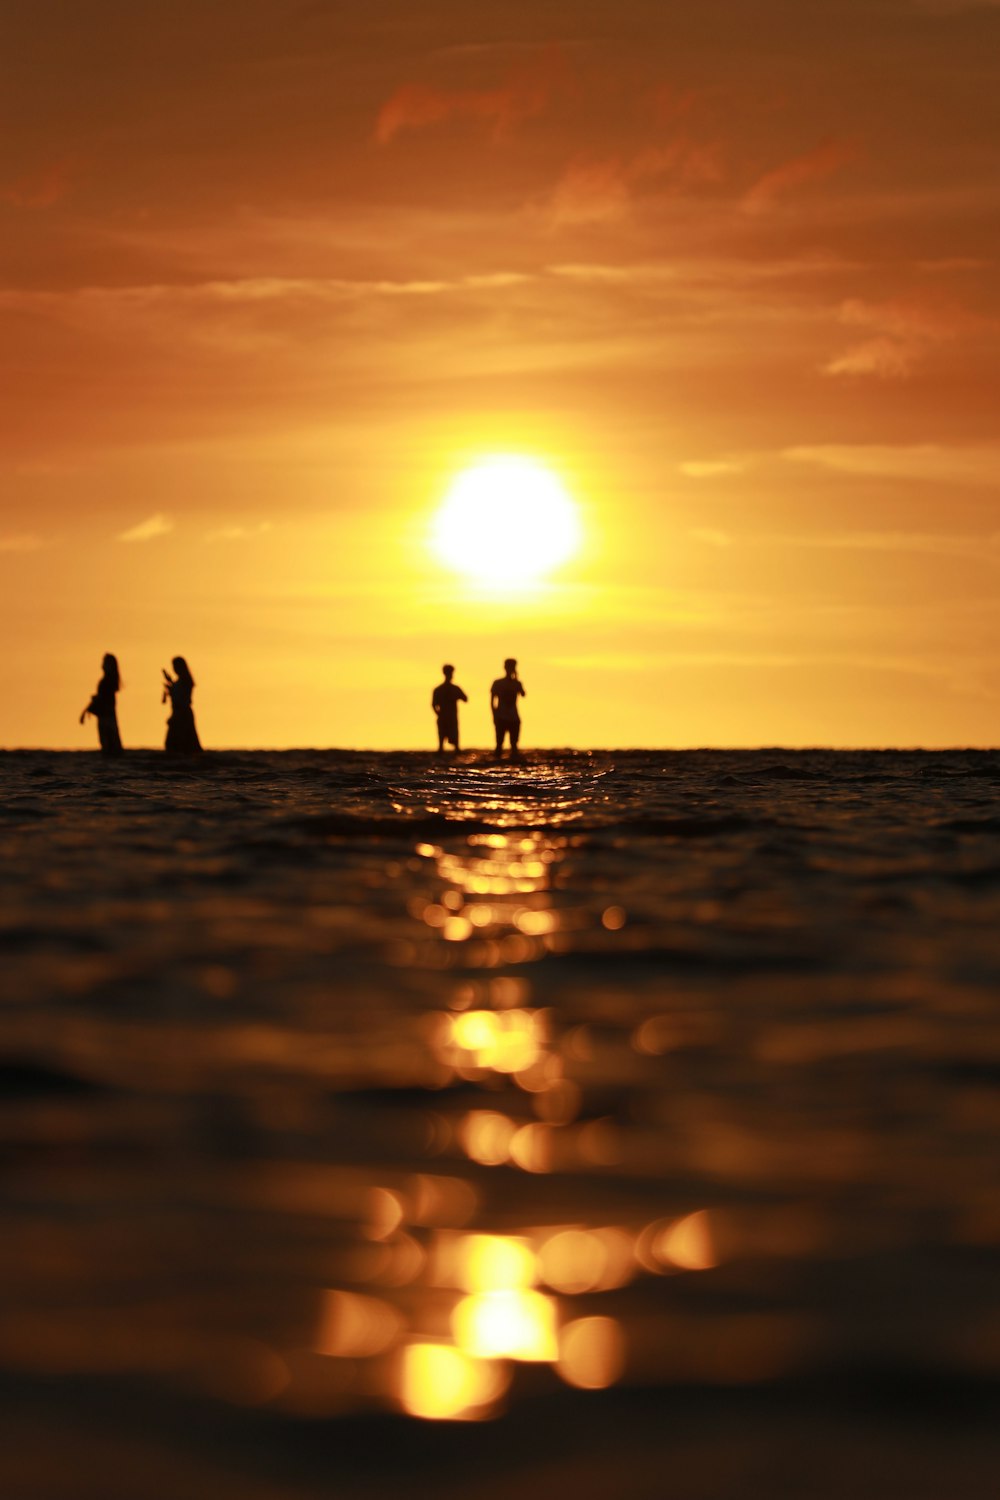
(373, 1120)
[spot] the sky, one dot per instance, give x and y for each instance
(272, 274)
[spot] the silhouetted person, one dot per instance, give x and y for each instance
(102, 706)
(444, 701)
(503, 701)
(182, 736)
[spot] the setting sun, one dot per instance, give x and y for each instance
(506, 520)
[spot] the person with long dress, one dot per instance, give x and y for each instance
(182, 736)
(104, 709)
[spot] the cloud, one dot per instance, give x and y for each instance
(800, 171)
(24, 542)
(593, 189)
(525, 93)
(237, 533)
(973, 465)
(147, 531)
(904, 332)
(932, 543)
(100, 301)
(705, 270)
(954, 263)
(886, 357)
(923, 321)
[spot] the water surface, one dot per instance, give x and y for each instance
(384, 1120)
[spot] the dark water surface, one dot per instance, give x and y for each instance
(610, 1124)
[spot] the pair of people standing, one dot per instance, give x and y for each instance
(182, 736)
(504, 693)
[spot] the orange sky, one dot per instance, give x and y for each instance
(272, 272)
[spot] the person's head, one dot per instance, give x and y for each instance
(510, 666)
(182, 669)
(449, 671)
(109, 666)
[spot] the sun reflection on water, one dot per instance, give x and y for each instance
(512, 1323)
(459, 1307)
(440, 1382)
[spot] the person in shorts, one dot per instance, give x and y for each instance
(504, 694)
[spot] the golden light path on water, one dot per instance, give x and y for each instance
(453, 1306)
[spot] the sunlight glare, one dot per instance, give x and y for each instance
(506, 521)
(511, 1324)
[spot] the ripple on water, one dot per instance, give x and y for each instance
(366, 1083)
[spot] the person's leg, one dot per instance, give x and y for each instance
(498, 726)
(515, 735)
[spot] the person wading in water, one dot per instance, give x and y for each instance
(503, 702)
(444, 701)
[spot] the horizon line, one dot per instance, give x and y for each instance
(453, 755)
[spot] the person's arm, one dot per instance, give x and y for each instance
(520, 689)
(462, 696)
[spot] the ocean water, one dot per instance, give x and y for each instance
(613, 1123)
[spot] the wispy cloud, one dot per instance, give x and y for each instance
(903, 333)
(974, 465)
(595, 188)
(237, 533)
(247, 290)
(526, 91)
(888, 358)
(949, 264)
(706, 270)
(812, 166)
(931, 543)
(147, 531)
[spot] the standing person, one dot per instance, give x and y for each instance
(503, 701)
(102, 706)
(444, 701)
(182, 736)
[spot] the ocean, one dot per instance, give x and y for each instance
(608, 1123)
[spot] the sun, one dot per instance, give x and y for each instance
(506, 521)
